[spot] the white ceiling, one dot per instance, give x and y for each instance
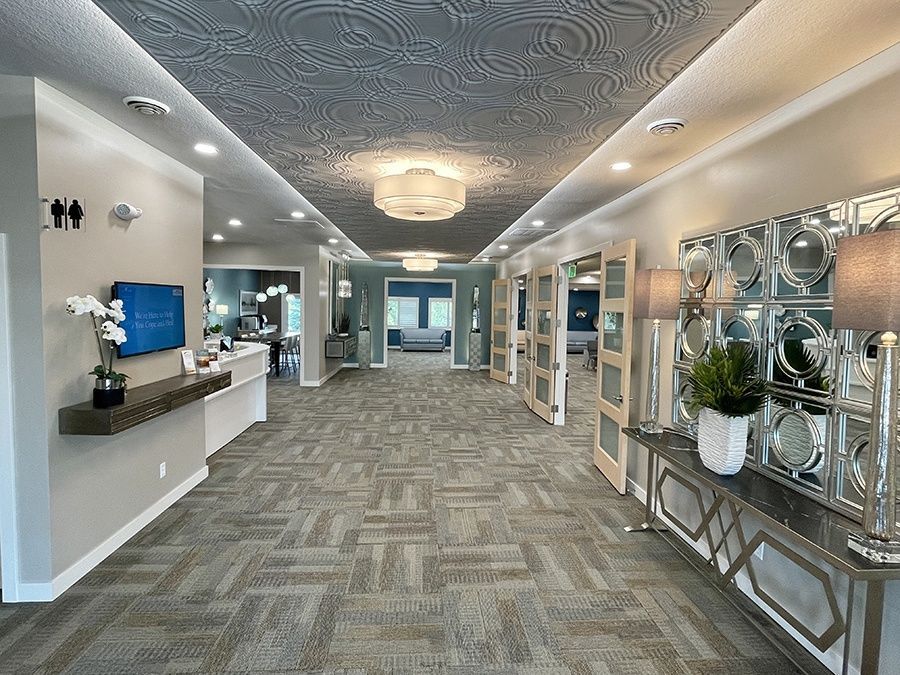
(77, 49)
(778, 51)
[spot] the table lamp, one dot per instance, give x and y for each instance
(867, 298)
(221, 310)
(657, 295)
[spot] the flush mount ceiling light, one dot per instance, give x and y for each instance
(420, 264)
(620, 166)
(419, 194)
(206, 149)
(667, 126)
(298, 214)
(234, 222)
(218, 237)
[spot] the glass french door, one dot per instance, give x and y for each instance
(529, 338)
(614, 362)
(501, 339)
(543, 345)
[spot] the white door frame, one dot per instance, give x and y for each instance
(430, 280)
(301, 293)
(9, 533)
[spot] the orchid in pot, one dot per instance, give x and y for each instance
(109, 388)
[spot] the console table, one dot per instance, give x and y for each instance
(791, 516)
(340, 346)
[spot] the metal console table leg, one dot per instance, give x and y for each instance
(649, 504)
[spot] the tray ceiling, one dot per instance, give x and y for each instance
(507, 96)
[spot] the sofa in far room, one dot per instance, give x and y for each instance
(577, 340)
(422, 339)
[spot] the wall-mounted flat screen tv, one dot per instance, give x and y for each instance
(154, 317)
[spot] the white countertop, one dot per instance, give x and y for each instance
(243, 350)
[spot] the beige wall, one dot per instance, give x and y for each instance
(837, 141)
(19, 221)
(99, 484)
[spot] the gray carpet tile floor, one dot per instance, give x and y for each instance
(412, 519)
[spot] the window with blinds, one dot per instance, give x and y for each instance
(403, 312)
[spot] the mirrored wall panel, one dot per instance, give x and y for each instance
(770, 284)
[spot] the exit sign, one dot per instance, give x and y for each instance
(571, 270)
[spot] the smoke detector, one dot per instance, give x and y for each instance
(666, 127)
(146, 106)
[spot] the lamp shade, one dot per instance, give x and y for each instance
(221, 309)
(420, 264)
(657, 294)
(421, 195)
(867, 283)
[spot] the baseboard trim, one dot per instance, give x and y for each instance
(64, 581)
(635, 489)
(320, 382)
(465, 366)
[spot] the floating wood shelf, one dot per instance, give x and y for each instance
(142, 404)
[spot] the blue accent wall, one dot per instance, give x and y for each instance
(423, 290)
(466, 276)
(590, 300)
(229, 283)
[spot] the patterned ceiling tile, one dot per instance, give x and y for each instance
(508, 96)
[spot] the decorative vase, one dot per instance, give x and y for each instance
(722, 442)
(108, 393)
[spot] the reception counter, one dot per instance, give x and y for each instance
(233, 410)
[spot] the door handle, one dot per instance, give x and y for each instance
(621, 399)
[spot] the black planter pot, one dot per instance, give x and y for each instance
(108, 393)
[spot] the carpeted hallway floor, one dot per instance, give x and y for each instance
(414, 519)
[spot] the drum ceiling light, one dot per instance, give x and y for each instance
(420, 264)
(421, 195)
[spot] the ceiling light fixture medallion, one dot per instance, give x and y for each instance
(420, 195)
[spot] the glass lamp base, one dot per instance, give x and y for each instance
(873, 549)
(651, 427)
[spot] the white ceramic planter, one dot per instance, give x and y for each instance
(722, 442)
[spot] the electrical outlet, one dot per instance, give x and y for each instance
(162, 469)
(760, 551)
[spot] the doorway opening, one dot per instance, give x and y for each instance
(581, 321)
(419, 323)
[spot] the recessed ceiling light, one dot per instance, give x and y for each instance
(218, 237)
(298, 214)
(620, 166)
(537, 223)
(206, 149)
(333, 241)
(574, 289)
(485, 259)
(503, 247)
(234, 222)
(146, 106)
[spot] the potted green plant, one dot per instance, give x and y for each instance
(215, 331)
(727, 389)
(109, 385)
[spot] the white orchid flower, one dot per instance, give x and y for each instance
(116, 311)
(113, 333)
(75, 305)
(95, 306)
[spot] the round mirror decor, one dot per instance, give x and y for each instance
(743, 263)
(797, 439)
(889, 219)
(806, 256)
(857, 467)
(801, 347)
(581, 313)
(685, 393)
(694, 336)
(698, 264)
(738, 328)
